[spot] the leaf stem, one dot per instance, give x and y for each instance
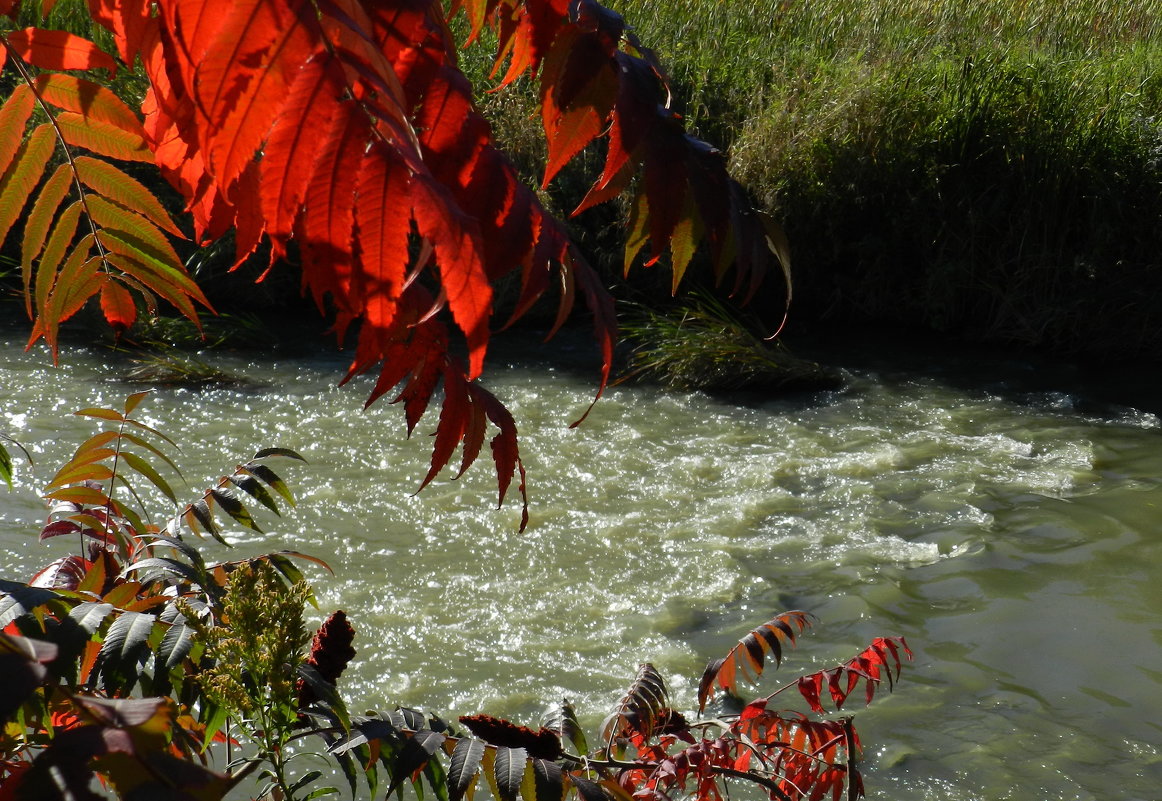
(29, 81)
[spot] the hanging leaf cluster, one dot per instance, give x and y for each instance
(347, 128)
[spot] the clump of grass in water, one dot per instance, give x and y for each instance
(169, 367)
(701, 344)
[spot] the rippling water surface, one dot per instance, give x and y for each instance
(1011, 538)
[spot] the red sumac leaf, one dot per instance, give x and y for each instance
(117, 305)
(59, 50)
(810, 688)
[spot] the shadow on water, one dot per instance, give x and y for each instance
(1087, 386)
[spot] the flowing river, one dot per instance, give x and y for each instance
(1010, 535)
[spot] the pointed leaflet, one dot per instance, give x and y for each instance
(252, 487)
(175, 645)
(105, 179)
(455, 415)
(249, 225)
(458, 249)
(640, 708)
(244, 76)
(464, 767)
(509, 771)
(103, 138)
(272, 480)
(39, 221)
(415, 754)
(234, 507)
(578, 88)
(638, 233)
(148, 471)
(61, 295)
(562, 719)
(749, 653)
(288, 159)
(127, 638)
(23, 176)
(58, 50)
(548, 780)
(149, 274)
(14, 115)
(172, 284)
(665, 181)
(127, 19)
(382, 217)
(505, 454)
(61, 236)
(328, 217)
(683, 240)
(70, 93)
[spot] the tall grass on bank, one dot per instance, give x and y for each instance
(990, 169)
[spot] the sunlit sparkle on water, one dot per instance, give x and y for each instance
(1010, 538)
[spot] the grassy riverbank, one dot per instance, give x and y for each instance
(990, 170)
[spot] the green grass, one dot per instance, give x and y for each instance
(987, 169)
(705, 344)
(990, 169)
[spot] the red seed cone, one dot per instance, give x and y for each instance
(330, 652)
(542, 744)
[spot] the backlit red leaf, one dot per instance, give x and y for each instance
(263, 45)
(127, 19)
(457, 243)
(117, 305)
(382, 214)
(295, 141)
(59, 50)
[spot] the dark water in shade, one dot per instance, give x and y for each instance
(1011, 536)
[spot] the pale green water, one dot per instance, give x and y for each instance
(1010, 538)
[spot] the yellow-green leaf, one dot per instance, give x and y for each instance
(101, 413)
(46, 323)
(86, 98)
(684, 241)
(134, 400)
(85, 496)
(75, 474)
(14, 115)
(135, 229)
(24, 175)
(146, 469)
(639, 229)
(104, 178)
(78, 282)
(54, 253)
(99, 440)
(39, 221)
(101, 137)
